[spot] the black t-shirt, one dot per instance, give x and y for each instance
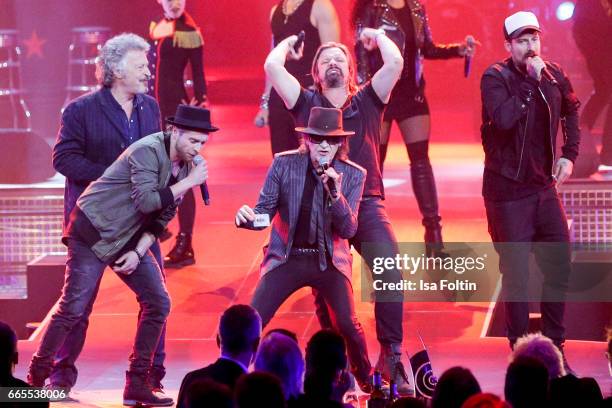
(361, 114)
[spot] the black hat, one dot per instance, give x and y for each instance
(325, 122)
(192, 118)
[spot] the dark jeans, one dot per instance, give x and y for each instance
(83, 274)
(303, 270)
(375, 228)
(536, 218)
(64, 373)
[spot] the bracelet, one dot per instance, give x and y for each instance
(138, 254)
(263, 101)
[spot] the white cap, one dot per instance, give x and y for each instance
(519, 22)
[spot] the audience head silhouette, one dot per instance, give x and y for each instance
(8, 349)
(208, 393)
(541, 348)
(455, 386)
(526, 383)
(325, 362)
(239, 330)
(280, 355)
(257, 389)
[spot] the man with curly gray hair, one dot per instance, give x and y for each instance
(95, 129)
(541, 348)
(114, 59)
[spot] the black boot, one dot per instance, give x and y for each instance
(390, 366)
(138, 392)
(424, 187)
(182, 253)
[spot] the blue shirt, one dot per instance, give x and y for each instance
(130, 131)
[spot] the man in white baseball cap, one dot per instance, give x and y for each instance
(519, 22)
(524, 100)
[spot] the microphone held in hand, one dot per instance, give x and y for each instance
(203, 187)
(470, 41)
(545, 72)
(331, 184)
(299, 42)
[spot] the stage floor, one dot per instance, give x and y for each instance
(226, 271)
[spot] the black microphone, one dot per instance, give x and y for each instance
(203, 187)
(300, 40)
(467, 62)
(545, 72)
(324, 163)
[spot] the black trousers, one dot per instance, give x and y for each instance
(303, 270)
(536, 218)
(375, 238)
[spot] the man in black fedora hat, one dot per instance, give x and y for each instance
(114, 222)
(312, 194)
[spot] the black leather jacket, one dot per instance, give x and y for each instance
(379, 15)
(508, 98)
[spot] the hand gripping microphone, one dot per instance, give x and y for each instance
(203, 187)
(545, 72)
(467, 62)
(324, 163)
(300, 41)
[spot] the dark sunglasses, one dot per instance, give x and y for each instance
(330, 140)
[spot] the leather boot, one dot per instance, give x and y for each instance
(424, 187)
(155, 378)
(390, 365)
(182, 253)
(138, 392)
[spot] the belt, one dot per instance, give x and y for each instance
(304, 251)
(370, 197)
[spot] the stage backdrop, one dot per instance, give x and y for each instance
(237, 39)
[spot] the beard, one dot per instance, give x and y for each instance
(334, 78)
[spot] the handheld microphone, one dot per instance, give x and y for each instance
(324, 163)
(545, 72)
(470, 41)
(300, 40)
(203, 187)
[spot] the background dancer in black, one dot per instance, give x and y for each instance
(408, 106)
(318, 20)
(178, 42)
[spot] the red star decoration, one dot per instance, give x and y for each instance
(34, 45)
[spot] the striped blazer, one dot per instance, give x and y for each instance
(281, 198)
(91, 138)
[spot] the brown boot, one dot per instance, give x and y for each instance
(138, 392)
(391, 366)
